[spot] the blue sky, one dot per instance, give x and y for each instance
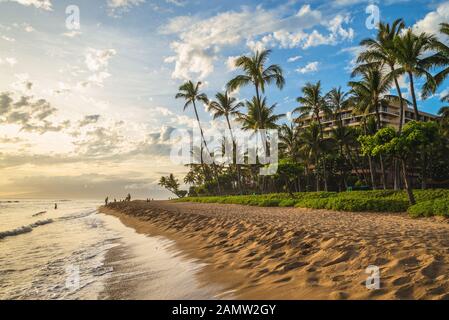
(100, 100)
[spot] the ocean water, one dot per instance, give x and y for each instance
(75, 252)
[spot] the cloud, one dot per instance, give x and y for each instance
(431, 22)
(97, 62)
(230, 63)
(294, 58)
(8, 39)
(40, 4)
(9, 61)
(354, 53)
(309, 68)
(30, 114)
(178, 3)
(90, 119)
(23, 83)
(200, 41)
(116, 7)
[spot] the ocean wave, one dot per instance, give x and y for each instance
(24, 229)
(78, 215)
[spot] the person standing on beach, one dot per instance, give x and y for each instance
(56, 206)
(106, 201)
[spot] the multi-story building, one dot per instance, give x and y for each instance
(389, 116)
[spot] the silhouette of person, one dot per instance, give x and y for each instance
(56, 206)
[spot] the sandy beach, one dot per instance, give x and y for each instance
(291, 253)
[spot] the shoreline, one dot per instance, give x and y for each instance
(290, 253)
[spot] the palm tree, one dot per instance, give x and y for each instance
(345, 138)
(410, 48)
(257, 74)
(313, 103)
(226, 106)
(337, 100)
(289, 141)
(312, 146)
(440, 59)
(259, 117)
(382, 50)
(190, 92)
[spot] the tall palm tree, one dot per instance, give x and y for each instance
(439, 59)
(410, 48)
(226, 106)
(288, 141)
(373, 89)
(382, 50)
(345, 138)
(312, 146)
(313, 103)
(257, 74)
(190, 92)
(337, 100)
(260, 117)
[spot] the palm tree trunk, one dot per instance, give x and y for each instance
(407, 184)
(382, 167)
(412, 90)
(316, 174)
(370, 162)
(234, 144)
(324, 158)
(205, 145)
(401, 124)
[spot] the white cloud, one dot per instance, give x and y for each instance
(98, 59)
(178, 3)
(72, 34)
(97, 62)
(40, 4)
(8, 60)
(294, 58)
(431, 22)
(6, 38)
(309, 68)
(119, 6)
(230, 63)
(200, 41)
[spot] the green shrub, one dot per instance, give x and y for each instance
(437, 207)
(287, 203)
(355, 205)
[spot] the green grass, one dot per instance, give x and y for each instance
(429, 202)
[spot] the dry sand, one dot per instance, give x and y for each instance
(289, 253)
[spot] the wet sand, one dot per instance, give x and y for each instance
(290, 253)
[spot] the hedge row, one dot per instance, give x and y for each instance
(430, 202)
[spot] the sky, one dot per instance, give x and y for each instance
(86, 109)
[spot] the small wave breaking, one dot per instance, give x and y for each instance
(24, 229)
